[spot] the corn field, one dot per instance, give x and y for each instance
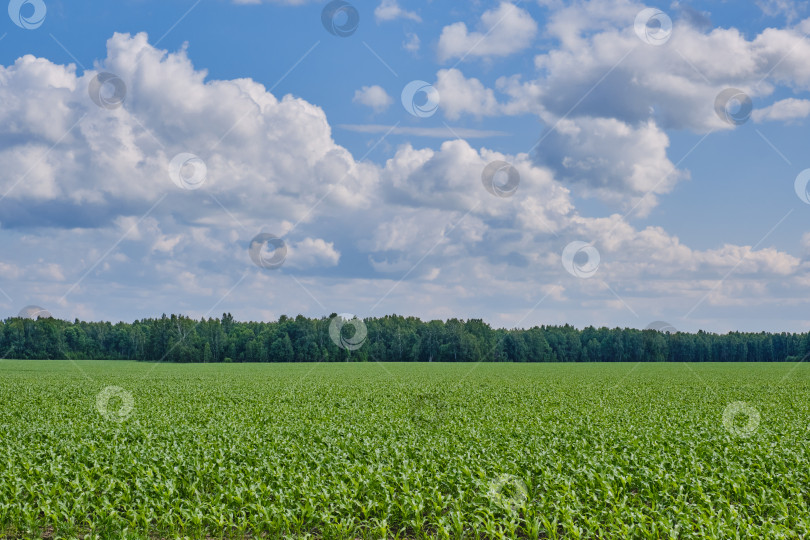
(104, 449)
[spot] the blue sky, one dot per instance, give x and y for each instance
(303, 134)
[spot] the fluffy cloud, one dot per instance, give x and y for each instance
(64, 150)
(373, 96)
(624, 164)
(90, 188)
(390, 10)
(504, 30)
(411, 43)
(436, 132)
(783, 110)
(619, 76)
(460, 95)
(312, 252)
(773, 8)
(606, 120)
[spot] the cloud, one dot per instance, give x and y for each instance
(676, 84)
(373, 96)
(389, 10)
(624, 164)
(9, 271)
(117, 160)
(692, 16)
(412, 43)
(783, 110)
(775, 8)
(625, 94)
(447, 132)
(460, 95)
(311, 252)
(504, 30)
(96, 215)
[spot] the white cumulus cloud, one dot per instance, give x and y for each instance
(373, 96)
(503, 31)
(389, 10)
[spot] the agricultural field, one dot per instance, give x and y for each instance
(355, 450)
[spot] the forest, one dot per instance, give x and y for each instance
(391, 338)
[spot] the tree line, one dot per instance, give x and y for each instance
(391, 338)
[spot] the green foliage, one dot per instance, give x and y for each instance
(390, 339)
(397, 450)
